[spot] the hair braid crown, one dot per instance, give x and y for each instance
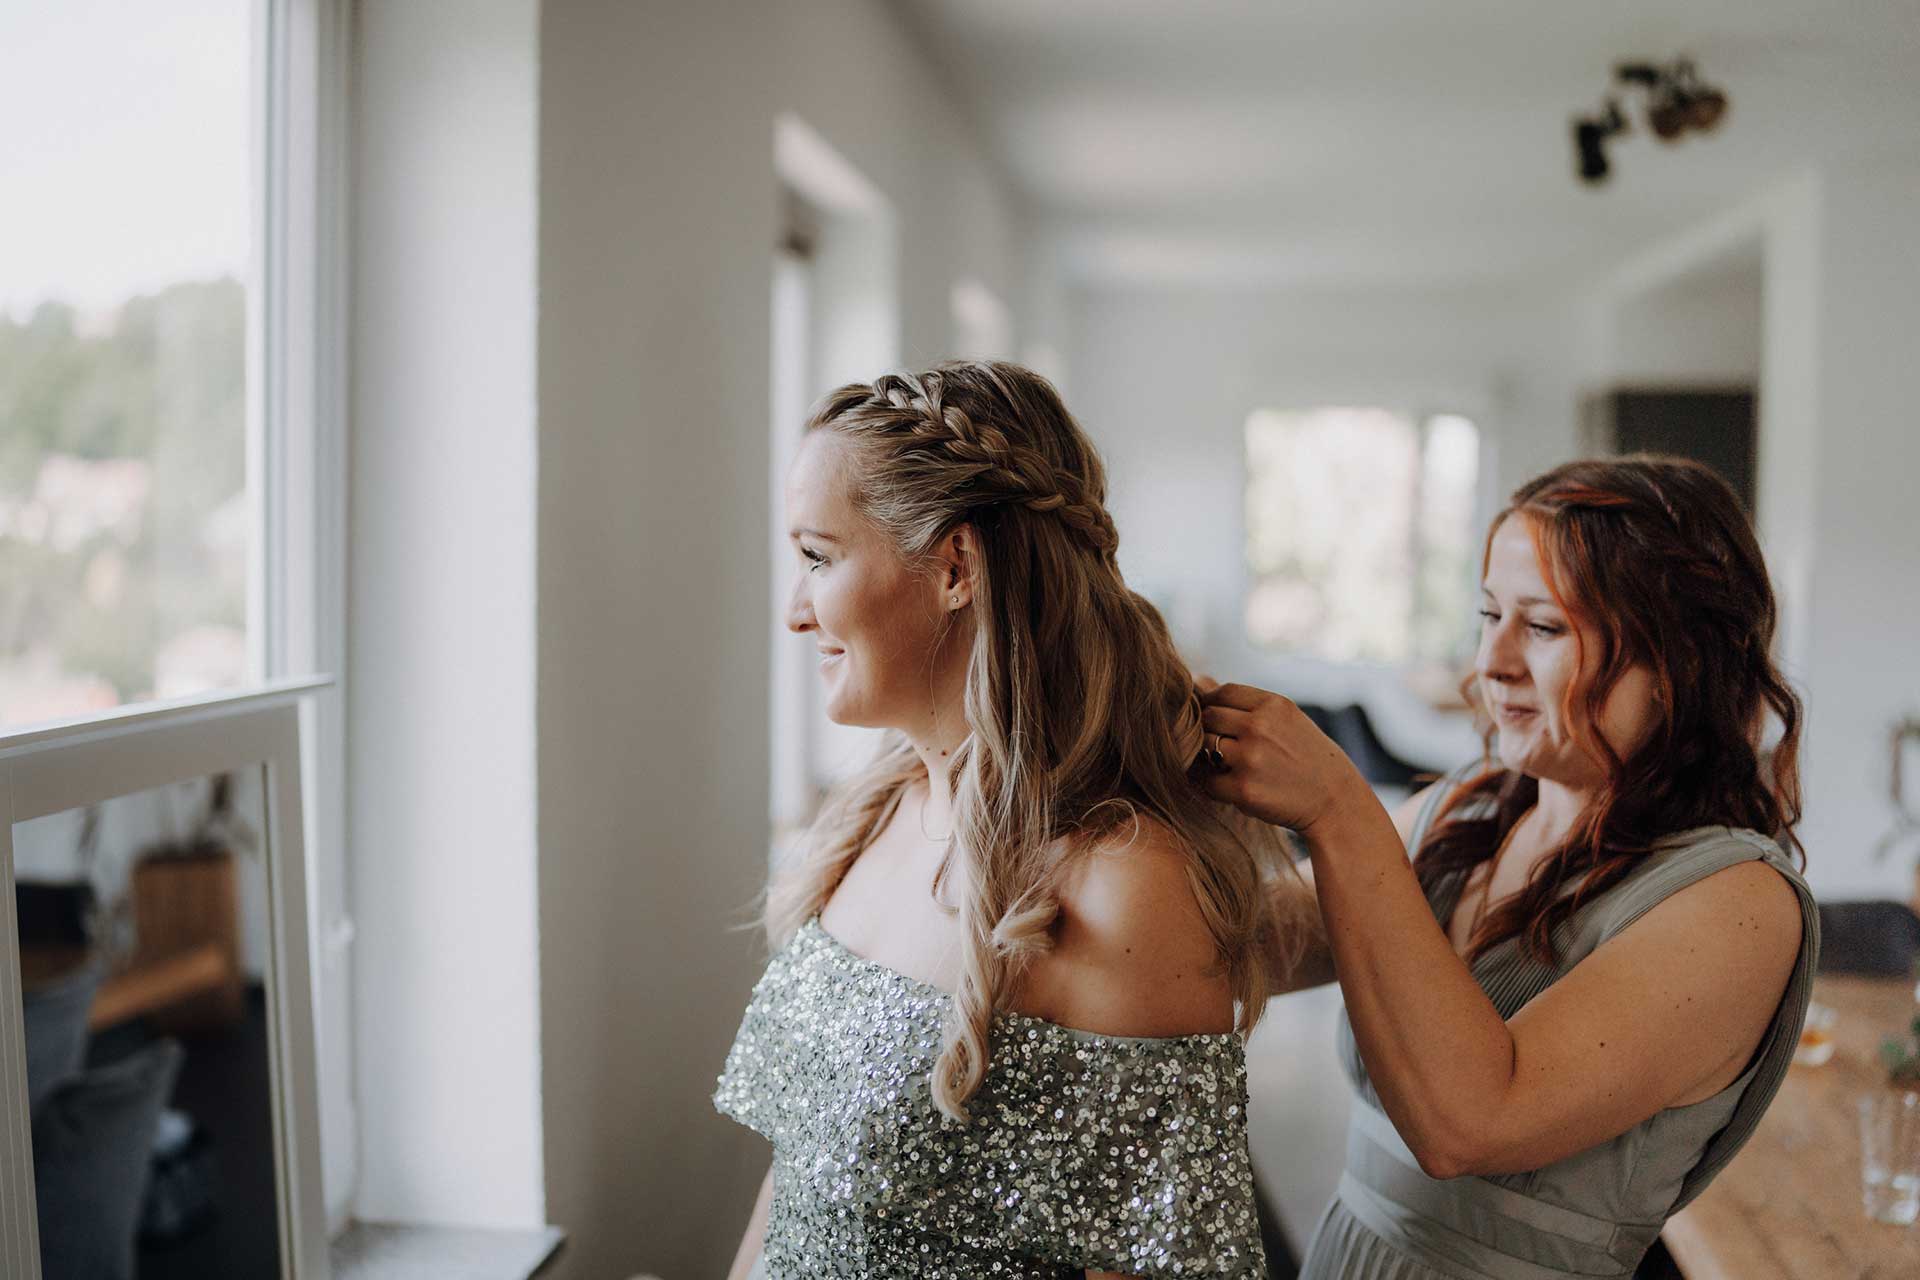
(1006, 473)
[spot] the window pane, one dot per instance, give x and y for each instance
(1329, 531)
(1443, 621)
(124, 512)
(1360, 542)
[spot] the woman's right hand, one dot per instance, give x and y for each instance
(1278, 766)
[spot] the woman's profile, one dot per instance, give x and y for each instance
(1001, 1034)
(1568, 1011)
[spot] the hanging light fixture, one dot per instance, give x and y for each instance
(1678, 101)
(1590, 136)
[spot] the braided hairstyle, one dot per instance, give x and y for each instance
(1654, 557)
(1082, 717)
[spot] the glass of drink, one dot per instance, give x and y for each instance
(1816, 1037)
(1890, 1156)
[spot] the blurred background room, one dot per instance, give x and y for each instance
(446, 356)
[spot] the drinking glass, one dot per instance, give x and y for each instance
(1890, 1156)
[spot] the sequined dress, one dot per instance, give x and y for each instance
(1083, 1152)
(1595, 1213)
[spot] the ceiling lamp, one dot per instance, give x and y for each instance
(1677, 101)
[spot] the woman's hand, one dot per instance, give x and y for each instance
(1276, 764)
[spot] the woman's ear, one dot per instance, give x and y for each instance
(955, 559)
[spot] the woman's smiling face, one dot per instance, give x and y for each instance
(885, 630)
(1530, 656)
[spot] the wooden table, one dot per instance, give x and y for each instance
(1789, 1204)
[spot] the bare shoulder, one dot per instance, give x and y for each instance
(1695, 982)
(1747, 912)
(1720, 950)
(1132, 954)
(1135, 880)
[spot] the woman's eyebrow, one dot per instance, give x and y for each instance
(812, 533)
(1523, 600)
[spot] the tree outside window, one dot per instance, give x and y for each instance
(1360, 539)
(125, 518)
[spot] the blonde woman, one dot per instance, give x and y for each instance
(1001, 1034)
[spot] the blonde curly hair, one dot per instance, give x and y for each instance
(1082, 716)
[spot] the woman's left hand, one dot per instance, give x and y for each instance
(1276, 765)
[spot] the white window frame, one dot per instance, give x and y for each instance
(297, 470)
(296, 442)
(52, 769)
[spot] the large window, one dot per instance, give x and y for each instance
(126, 521)
(1360, 538)
(172, 447)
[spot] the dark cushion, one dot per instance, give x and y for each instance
(1349, 728)
(1880, 938)
(52, 915)
(92, 1149)
(56, 1031)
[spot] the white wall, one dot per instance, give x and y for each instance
(1165, 379)
(1839, 253)
(1862, 658)
(854, 73)
(658, 216)
(441, 821)
(1700, 330)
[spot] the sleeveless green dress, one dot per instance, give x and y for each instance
(1595, 1213)
(1082, 1152)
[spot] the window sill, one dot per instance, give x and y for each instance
(396, 1251)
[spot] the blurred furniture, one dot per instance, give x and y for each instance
(1872, 938)
(1788, 1207)
(54, 1017)
(186, 919)
(194, 981)
(92, 1150)
(1353, 733)
(92, 1131)
(185, 970)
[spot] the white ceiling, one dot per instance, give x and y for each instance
(1406, 141)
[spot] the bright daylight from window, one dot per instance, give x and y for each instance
(1360, 538)
(124, 514)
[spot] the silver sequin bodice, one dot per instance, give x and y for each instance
(1083, 1151)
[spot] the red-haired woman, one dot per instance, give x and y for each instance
(1571, 1009)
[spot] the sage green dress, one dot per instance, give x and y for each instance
(1595, 1213)
(1082, 1151)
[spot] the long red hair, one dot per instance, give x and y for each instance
(1654, 558)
